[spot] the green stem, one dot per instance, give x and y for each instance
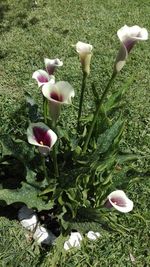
(81, 98)
(97, 112)
(45, 109)
(44, 169)
(54, 154)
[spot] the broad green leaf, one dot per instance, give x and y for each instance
(16, 148)
(106, 139)
(114, 101)
(27, 194)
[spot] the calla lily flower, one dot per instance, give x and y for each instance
(128, 37)
(52, 64)
(42, 77)
(119, 201)
(41, 135)
(85, 52)
(58, 94)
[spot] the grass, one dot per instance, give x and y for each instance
(30, 32)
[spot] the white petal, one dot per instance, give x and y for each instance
(135, 33)
(42, 235)
(27, 218)
(83, 48)
(73, 241)
(32, 139)
(125, 206)
(41, 76)
(93, 235)
(63, 89)
(51, 64)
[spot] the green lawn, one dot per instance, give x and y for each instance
(32, 30)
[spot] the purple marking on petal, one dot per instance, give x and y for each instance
(118, 201)
(50, 69)
(42, 79)
(56, 97)
(41, 136)
(129, 44)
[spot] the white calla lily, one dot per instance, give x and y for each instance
(52, 64)
(41, 135)
(119, 201)
(85, 52)
(128, 37)
(42, 77)
(58, 94)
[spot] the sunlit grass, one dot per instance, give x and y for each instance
(30, 32)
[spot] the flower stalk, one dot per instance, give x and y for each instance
(81, 98)
(98, 111)
(44, 169)
(54, 154)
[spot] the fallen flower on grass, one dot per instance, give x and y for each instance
(93, 235)
(41, 135)
(73, 241)
(119, 201)
(85, 53)
(128, 37)
(27, 218)
(58, 94)
(43, 236)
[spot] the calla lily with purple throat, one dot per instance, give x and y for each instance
(128, 37)
(58, 94)
(52, 64)
(41, 135)
(119, 201)
(85, 52)
(42, 76)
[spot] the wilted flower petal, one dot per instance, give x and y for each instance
(41, 135)
(51, 64)
(85, 52)
(73, 241)
(128, 37)
(27, 218)
(119, 201)
(93, 235)
(44, 236)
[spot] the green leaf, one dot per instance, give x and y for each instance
(114, 100)
(27, 194)
(106, 139)
(16, 148)
(32, 108)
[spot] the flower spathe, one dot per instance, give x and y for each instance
(85, 52)
(52, 64)
(58, 94)
(128, 37)
(41, 135)
(42, 77)
(119, 201)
